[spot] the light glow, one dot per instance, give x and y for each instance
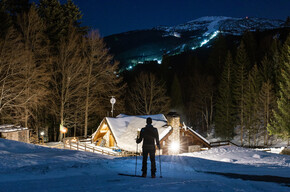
(174, 147)
(62, 129)
(205, 41)
(74, 140)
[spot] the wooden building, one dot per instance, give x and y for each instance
(121, 132)
(15, 133)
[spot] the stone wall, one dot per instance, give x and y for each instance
(22, 136)
(174, 122)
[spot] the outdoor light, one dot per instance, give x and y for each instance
(112, 101)
(174, 147)
(74, 140)
(42, 137)
(62, 129)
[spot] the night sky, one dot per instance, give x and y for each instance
(116, 16)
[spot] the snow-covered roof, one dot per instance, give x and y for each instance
(125, 127)
(11, 128)
(201, 137)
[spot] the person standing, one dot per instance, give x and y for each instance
(149, 135)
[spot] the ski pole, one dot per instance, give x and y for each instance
(160, 164)
(136, 160)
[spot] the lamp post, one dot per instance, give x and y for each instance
(42, 136)
(63, 130)
(112, 101)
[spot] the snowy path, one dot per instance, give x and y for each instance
(26, 167)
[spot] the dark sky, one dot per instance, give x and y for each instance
(116, 16)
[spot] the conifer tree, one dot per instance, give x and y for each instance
(267, 103)
(281, 123)
(58, 18)
(218, 54)
(175, 94)
(240, 73)
(16, 7)
(252, 105)
(287, 22)
(275, 64)
(250, 47)
(224, 118)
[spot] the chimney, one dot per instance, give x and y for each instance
(173, 120)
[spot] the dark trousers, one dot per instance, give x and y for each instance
(152, 159)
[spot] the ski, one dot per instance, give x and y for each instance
(129, 175)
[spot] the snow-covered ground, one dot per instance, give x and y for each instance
(27, 167)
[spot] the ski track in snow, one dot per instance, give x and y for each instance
(26, 167)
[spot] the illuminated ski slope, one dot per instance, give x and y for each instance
(138, 47)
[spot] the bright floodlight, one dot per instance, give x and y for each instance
(174, 147)
(42, 133)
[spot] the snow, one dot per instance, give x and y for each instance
(26, 167)
(11, 128)
(125, 127)
(228, 25)
(213, 23)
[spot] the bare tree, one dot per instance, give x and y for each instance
(35, 74)
(101, 79)
(148, 95)
(67, 78)
(10, 67)
(202, 101)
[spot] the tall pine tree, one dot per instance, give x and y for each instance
(240, 73)
(224, 118)
(58, 18)
(267, 102)
(281, 123)
(252, 105)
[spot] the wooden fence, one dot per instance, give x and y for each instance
(222, 143)
(76, 144)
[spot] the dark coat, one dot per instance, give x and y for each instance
(149, 135)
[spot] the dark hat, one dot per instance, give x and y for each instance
(149, 121)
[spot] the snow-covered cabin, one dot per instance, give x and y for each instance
(16, 133)
(120, 132)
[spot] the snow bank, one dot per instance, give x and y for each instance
(17, 155)
(243, 156)
(28, 168)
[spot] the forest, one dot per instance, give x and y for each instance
(55, 72)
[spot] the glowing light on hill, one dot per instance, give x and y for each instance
(159, 61)
(205, 41)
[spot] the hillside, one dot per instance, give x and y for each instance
(26, 167)
(136, 47)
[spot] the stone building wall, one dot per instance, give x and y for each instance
(174, 122)
(22, 136)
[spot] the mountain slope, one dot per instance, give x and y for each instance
(136, 47)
